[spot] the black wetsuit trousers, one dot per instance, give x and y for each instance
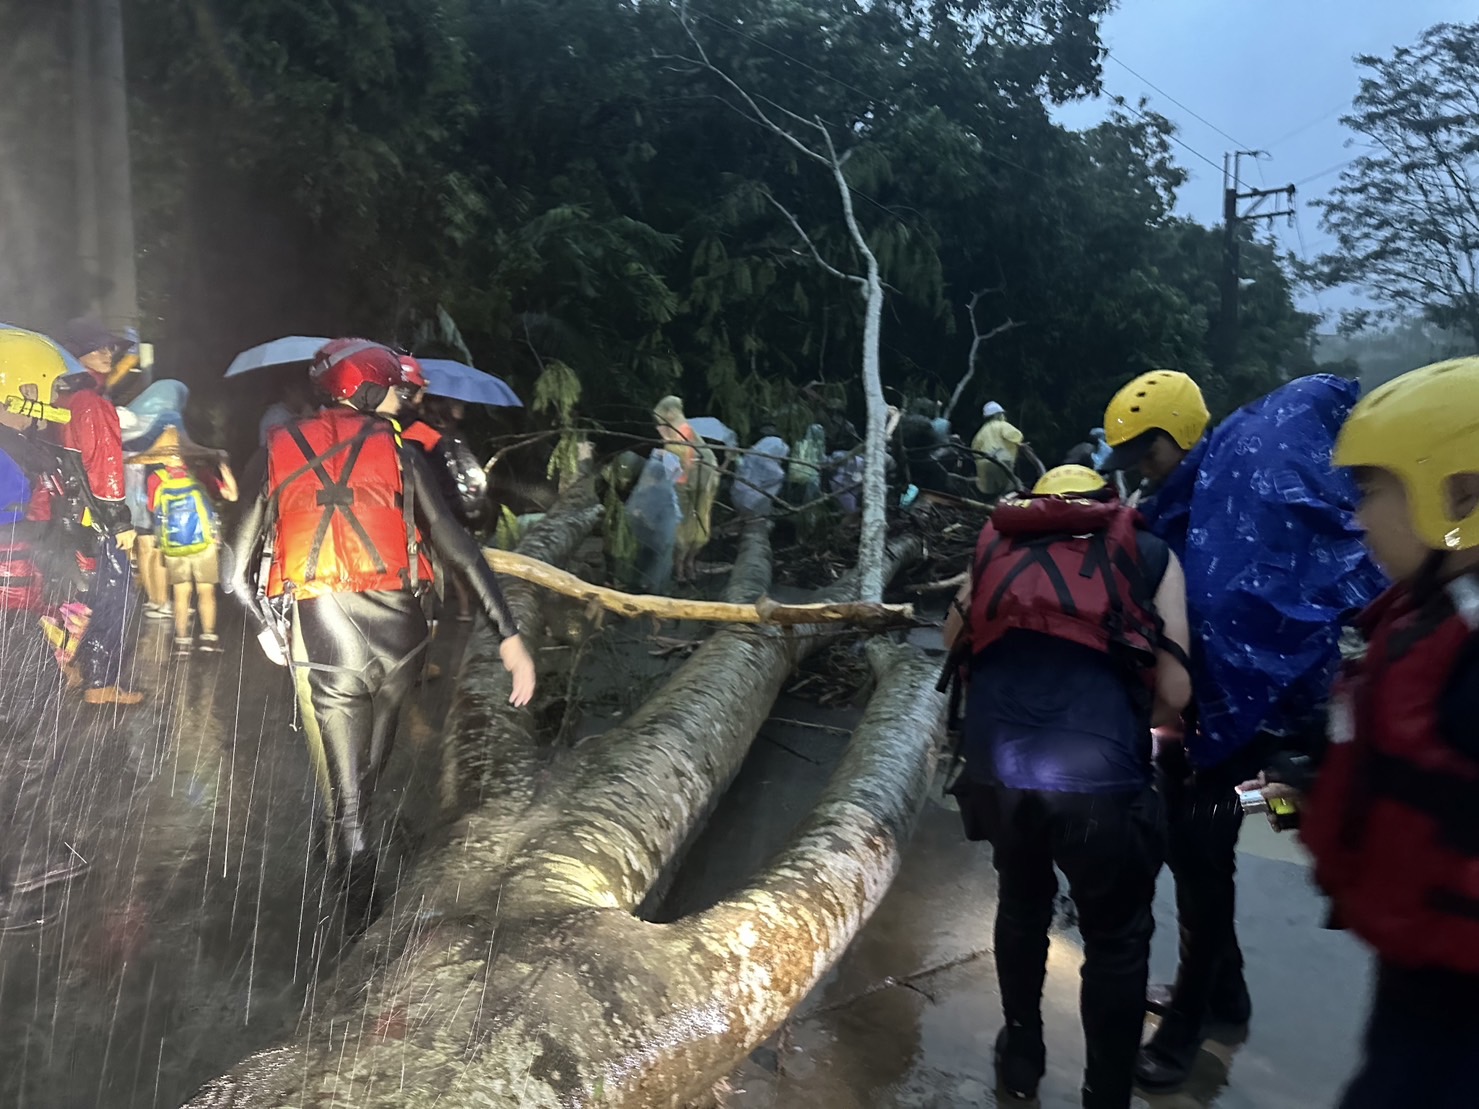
(1110, 847)
(355, 658)
(1204, 818)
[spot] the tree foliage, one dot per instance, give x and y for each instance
(555, 181)
(1406, 212)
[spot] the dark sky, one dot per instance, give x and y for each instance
(1274, 75)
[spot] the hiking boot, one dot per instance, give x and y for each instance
(1021, 1061)
(182, 647)
(111, 695)
(209, 644)
(1165, 1062)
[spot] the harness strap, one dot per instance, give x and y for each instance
(412, 573)
(1035, 553)
(294, 475)
(335, 496)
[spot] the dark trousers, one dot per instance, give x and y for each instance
(100, 655)
(355, 658)
(1422, 1043)
(1110, 847)
(1204, 818)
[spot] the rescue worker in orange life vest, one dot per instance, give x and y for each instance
(1074, 624)
(345, 509)
(1390, 820)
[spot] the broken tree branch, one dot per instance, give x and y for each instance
(977, 341)
(862, 614)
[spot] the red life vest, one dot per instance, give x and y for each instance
(1069, 568)
(1393, 819)
(345, 521)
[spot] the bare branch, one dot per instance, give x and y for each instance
(977, 341)
(815, 254)
(757, 113)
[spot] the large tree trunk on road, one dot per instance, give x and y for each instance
(516, 973)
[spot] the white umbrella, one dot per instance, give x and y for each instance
(279, 352)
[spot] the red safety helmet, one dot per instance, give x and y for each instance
(412, 373)
(343, 369)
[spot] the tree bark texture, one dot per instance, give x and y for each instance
(515, 971)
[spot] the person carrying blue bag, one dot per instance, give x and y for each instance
(1264, 526)
(183, 481)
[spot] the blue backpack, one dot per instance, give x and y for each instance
(184, 520)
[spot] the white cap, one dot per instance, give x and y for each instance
(991, 408)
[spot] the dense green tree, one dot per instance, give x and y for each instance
(1406, 212)
(567, 187)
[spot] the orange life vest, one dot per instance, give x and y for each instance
(345, 522)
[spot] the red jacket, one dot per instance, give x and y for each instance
(94, 432)
(1392, 819)
(344, 521)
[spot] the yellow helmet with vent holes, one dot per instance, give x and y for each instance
(1161, 400)
(1424, 428)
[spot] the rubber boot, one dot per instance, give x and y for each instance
(1021, 1060)
(1230, 1003)
(1166, 1060)
(361, 895)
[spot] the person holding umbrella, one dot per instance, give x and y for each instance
(336, 532)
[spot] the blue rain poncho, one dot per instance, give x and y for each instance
(758, 477)
(1264, 526)
(15, 491)
(653, 512)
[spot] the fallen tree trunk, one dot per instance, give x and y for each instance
(518, 975)
(488, 741)
(873, 616)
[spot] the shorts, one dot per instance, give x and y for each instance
(197, 569)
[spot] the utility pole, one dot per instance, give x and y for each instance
(1234, 215)
(103, 166)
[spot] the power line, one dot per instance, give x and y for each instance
(1304, 255)
(1305, 127)
(1136, 73)
(1327, 172)
(1124, 103)
(1120, 100)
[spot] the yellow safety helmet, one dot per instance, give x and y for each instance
(1068, 481)
(30, 366)
(1424, 428)
(1161, 400)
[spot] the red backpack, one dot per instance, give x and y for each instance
(1069, 568)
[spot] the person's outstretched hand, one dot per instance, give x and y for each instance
(520, 665)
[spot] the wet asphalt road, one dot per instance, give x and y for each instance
(908, 1018)
(197, 932)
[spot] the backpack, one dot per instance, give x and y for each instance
(185, 522)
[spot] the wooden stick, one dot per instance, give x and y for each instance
(945, 585)
(861, 614)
